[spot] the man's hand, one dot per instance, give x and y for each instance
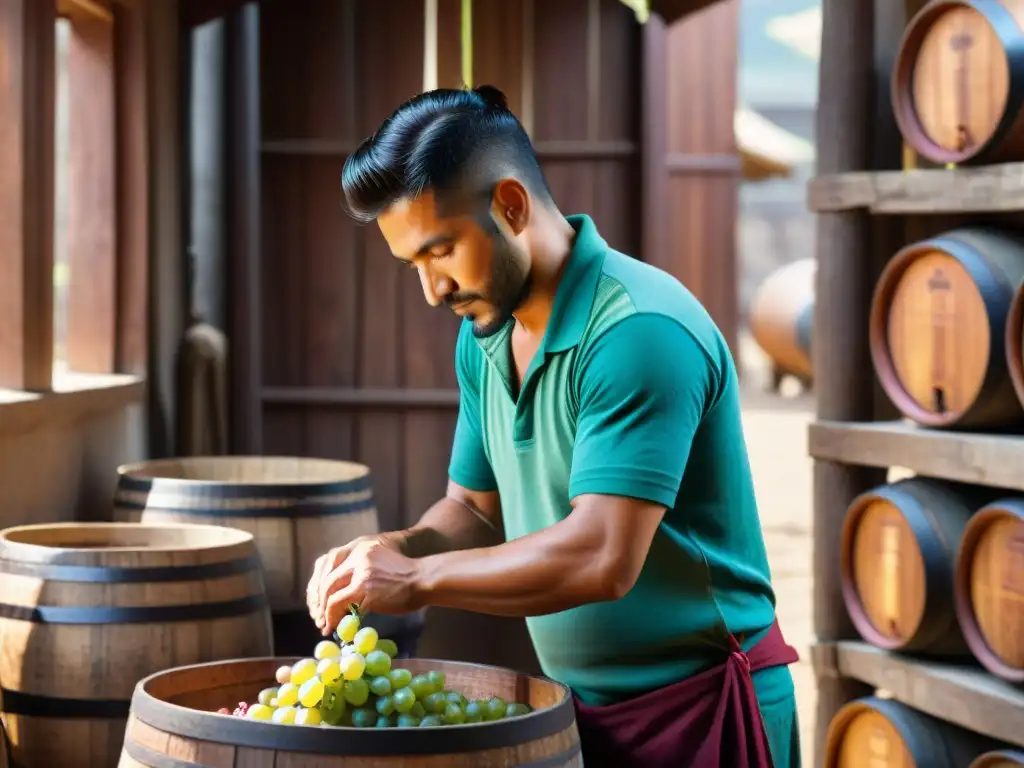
(316, 590)
(374, 576)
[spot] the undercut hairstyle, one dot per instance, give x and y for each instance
(456, 142)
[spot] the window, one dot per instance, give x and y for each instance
(73, 182)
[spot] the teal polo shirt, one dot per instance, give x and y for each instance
(633, 392)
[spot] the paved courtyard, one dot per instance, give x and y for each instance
(776, 430)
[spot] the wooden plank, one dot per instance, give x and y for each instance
(81, 398)
(244, 226)
(86, 10)
(27, 95)
(374, 397)
(92, 213)
(698, 162)
(959, 190)
(133, 215)
(984, 459)
(965, 696)
(842, 364)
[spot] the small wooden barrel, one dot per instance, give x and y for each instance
(990, 587)
(937, 327)
(1000, 759)
(958, 81)
(88, 609)
(897, 564)
(296, 508)
(782, 317)
(871, 732)
(176, 710)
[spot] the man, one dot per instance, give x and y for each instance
(599, 422)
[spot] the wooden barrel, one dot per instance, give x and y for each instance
(937, 327)
(990, 587)
(1000, 759)
(872, 732)
(782, 317)
(88, 609)
(958, 81)
(176, 710)
(897, 563)
(1014, 342)
(296, 508)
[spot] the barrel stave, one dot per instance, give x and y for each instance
(80, 625)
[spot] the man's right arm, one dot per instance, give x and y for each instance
(469, 516)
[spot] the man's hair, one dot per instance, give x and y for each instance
(446, 140)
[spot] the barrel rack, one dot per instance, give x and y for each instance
(867, 207)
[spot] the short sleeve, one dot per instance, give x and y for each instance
(469, 465)
(643, 387)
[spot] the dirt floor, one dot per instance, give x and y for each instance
(776, 432)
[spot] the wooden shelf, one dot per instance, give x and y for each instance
(966, 457)
(984, 189)
(966, 696)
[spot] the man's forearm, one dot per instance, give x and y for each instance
(545, 572)
(449, 525)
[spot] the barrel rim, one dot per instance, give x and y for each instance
(901, 101)
(228, 729)
(228, 538)
(966, 617)
(139, 471)
(988, 758)
(885, 707)
(1013, 341)
(878, 338)
(854, 605)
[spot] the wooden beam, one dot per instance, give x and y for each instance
(366, 397)
(92, 213)
(965, 696)
(985, 189)
(842, 363)
(86, 10)
(976, 458)
(27, 73)
(131, 348)
(244, 228)
(671, 11)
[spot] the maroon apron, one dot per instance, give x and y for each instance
(710, 720)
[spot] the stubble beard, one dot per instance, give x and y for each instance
(508, 288)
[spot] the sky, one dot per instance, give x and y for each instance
(771, 72)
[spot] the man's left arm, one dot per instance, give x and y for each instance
(643, 387)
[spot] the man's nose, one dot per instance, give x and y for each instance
(435, 287)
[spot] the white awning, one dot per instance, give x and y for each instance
(800, 31)
(768, 149)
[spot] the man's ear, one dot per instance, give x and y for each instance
(510, 203)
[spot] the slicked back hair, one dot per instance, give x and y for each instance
(457, 143)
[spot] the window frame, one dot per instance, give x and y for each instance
(108, 225)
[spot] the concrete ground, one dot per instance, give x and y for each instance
(776, 432)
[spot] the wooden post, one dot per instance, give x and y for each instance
(842, 364)
(244, 227)
(27, 96)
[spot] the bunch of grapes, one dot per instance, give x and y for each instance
(350, 681)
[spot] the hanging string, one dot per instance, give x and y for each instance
(467, 43)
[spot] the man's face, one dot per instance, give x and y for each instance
(464, 261)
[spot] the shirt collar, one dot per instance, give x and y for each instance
(574, 297)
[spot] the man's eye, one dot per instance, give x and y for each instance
(444, 253)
